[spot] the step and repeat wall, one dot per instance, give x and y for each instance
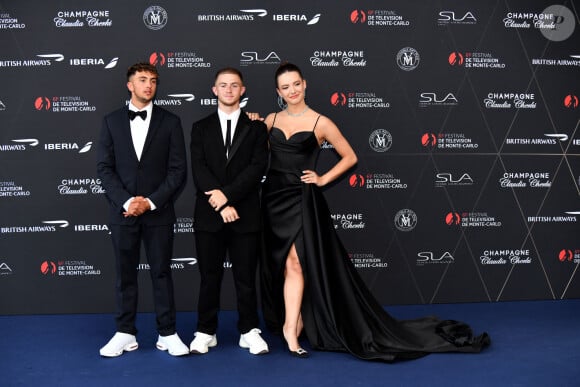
(464, 116)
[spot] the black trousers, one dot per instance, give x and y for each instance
(158, 243)
(243, 254)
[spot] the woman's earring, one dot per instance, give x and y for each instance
(281, 103)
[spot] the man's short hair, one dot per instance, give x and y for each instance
(142, 67)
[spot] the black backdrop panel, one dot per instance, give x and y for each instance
(464, 116)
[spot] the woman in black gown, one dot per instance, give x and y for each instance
(308, 280)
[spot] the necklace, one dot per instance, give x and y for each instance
(297, 114)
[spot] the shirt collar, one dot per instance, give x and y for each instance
(233, 116)
(148, 108)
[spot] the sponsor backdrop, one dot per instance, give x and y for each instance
(464, 116)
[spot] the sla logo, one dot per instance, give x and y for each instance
(253, 57)
(450, 17)
(445, 178)
(5, 269)
(429, 257)
(47, 267)
(432, 99)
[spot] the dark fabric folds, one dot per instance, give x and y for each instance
(339, 311)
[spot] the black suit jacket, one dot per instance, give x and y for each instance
(239, 176)
(159, 175)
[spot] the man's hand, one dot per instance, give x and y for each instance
(216, 199)
(137, 207)
(254, 116)
(229, 214)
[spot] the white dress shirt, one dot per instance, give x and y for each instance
(223, 122)
(139, 129)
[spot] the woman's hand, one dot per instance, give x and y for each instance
(311, 177)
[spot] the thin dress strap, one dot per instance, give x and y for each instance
(316, 123)
(275, 114)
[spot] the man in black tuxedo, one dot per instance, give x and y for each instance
(229, 155)
(142, 165)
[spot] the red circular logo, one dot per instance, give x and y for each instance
(452, 218)
(356, 180)
(455, 59)
(358, 16)
(48, 267)
(338, 99)
(428, 139)
(157, 59)
(565, 255)
(42, 103)
(571, 101)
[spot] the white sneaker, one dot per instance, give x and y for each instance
(119, 342)
(172, 344)
(202, 342)
(254, 342)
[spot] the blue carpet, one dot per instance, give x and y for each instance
(534, 343)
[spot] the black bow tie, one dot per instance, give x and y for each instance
(142, 114)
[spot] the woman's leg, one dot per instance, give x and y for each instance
(293, 291)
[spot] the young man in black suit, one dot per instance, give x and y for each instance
(142, 166)
(228, 158)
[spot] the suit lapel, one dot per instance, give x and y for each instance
(215, 138)
(156, 118)
(239, 134)
(126, 128)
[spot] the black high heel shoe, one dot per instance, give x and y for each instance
(300, 352)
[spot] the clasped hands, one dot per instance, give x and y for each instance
(137, 207)
(218, 201)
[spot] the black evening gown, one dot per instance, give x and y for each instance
(338, 310)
